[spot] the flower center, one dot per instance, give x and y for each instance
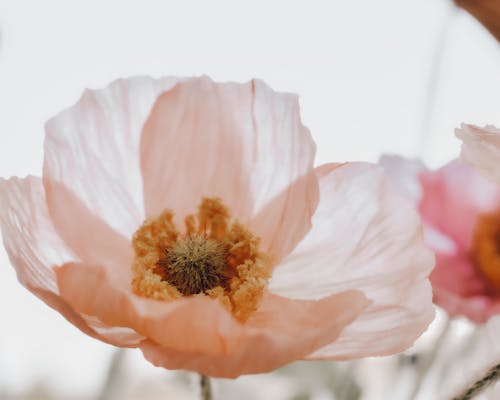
(215, 256)
(486, 248)
(194, 264)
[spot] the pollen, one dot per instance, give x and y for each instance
(212, 256)
(486, 248)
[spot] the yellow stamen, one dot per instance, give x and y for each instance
(486, 248)
(214, 257)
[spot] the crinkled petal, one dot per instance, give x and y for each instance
(116, 336)
(198, 333)
(282, 331)
(481, 148)
(92, 149)
(34, 247)
(87, 235)
(242, 143)
(384, 329)
(29, 237)
(453, 196)
(367, 238)
(158, 320)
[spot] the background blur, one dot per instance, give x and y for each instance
(373, 77)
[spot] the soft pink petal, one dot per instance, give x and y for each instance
(88, 236)
(481, 148)
(116, 336)
(384, 329)
(34, 247)
(243, 143)
(163, 322)
(367, 238)
(453, 196)
(282, 331)
(198, 333)
(92, 149)
(456, 273)
(460, 290)
(29, 237)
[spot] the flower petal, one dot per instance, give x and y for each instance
(29, 237)
(89, 237)
(450, 209)
(116, 336)
(481, 148)
(368, 238)
(460, 290)
(403, 174)
(387, 327)
(242, 143)
(158, 320)
(92, 149)
(34, 247)
(198, 333)
(282, 331)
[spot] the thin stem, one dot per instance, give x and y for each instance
(347, 384)
(489, 378)
(205, 388)
(428, 361)
(112, 378)
(433, 83)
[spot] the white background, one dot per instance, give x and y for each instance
(362, 68)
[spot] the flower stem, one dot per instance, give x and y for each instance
(489, 378)
(205, 388)
(433, 80)
(112, 379)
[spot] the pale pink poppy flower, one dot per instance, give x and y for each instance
(460, 210)
(185, 217)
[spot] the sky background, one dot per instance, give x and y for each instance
(373, 77)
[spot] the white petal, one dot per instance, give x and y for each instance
(92, 149)
(34, 248)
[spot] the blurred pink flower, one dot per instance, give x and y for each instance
(460, 211)
(249, 257)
